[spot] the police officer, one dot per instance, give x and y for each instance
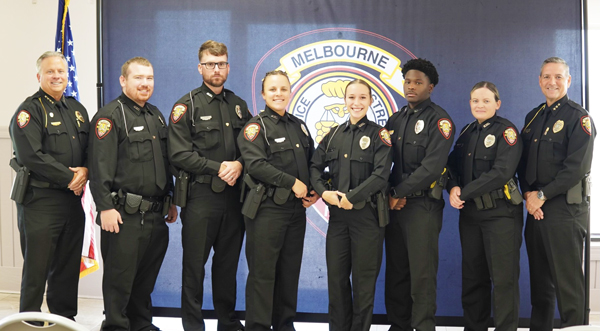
(130, 181)
(203, 127)
(558, 138)
(358, 154)
(276, 148)
(422, 134)
(49, 132)
(482, 186)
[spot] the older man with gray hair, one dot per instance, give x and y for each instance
(559, 140)
(49, 132)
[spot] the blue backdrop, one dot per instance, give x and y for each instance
(322, 41)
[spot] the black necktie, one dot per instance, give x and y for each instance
(401, 137)
(470, 157)
(532, 164)
(72, 132)
(344, 180)
(159, 165)
(227, 129)
(299, 154)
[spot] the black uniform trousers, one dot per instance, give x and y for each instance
(555, 251)
(354, 245)
(274, 245)
(51, 225)
(491, 241)
(411, 243)
(132, 260)
(211, 220)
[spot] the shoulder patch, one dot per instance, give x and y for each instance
(384, 134)
(23, 118)
(586, 124)
(177, 112)
(445, 127)
(251, 131)
(103, 127)
(510, 135)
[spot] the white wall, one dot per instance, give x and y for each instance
(28, 29)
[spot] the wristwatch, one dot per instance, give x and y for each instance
(541, 195)
(393, 193)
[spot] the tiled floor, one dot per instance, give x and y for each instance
(90, 316)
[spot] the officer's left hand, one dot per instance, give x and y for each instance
(310, 200)
(533, 204)
(230, 171)
(344, 203)
(172, 214)
(80, 177)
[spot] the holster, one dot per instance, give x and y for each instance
(512, 193)
(575, 194)
(180, 193)
(438, 186)
(254, 197)
(132, 202)
(383, 214)
(21, 181)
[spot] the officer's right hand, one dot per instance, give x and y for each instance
(396, 204)
(455, 200)
(299, 189)
(110, 220)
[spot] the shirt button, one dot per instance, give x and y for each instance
(535, 140)
(73, 137)
(469, 154)
(153, 137)
(227, 124)
(345, 155)
(550, 139)
(297, 145)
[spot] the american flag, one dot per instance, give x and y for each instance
(64, 44)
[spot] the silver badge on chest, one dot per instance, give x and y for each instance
(489, 141)
(304, 129)
(238, 111)
(419, 126)
(364, 142)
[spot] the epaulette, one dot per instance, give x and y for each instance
(577, 106)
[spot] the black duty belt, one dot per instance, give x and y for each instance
(42, 184)
(155, 204)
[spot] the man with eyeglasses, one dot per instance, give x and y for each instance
(203, 128)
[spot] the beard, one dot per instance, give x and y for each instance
(216, 81)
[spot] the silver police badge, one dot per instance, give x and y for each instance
(489, 141)
(304, 129)
(419, 126)
(238, 111)
(365, 142)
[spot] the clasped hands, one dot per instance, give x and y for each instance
(80, 177)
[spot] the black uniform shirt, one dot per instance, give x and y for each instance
(422, 149)
(493, 149)
(359, 157)
(198, 146)
(50, 136)
(277, 149)
(121, 155)
(566, 144)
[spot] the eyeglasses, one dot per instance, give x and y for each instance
(211, 65)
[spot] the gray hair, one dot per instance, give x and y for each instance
(555, 59)
(48, 54)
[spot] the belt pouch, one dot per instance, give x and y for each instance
(281, 195)
(217, 184)
(132, 203)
